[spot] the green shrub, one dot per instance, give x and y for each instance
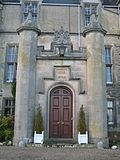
(6, 128)
(13, 89)
(38, 122)
(81, 122)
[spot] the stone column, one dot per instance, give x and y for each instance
(25, 89)
(96, 82)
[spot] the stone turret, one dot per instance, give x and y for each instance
(25, 90)
(96, 81)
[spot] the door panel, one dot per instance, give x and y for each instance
(66, 116)
(55, 117)
(61, 113)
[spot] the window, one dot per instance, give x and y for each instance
(88, 9)
(87, 13)
(11, 63)
(110, 112)
(8, 107)
(108, 61)
(34, 11)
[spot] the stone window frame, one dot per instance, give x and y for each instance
(11, 61)
(109, 65)
(8, 106)
(87, 14)
(111, 109)
(25, 11)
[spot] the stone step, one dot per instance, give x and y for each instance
(64, 145)
(59, 142)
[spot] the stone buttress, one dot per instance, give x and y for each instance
(25, 89)
(96, 81)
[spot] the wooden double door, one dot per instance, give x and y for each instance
(61, 113)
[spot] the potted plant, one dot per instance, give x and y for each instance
(82, 133)
(38, 129)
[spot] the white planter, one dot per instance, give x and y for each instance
(83, 138)
(39, 138)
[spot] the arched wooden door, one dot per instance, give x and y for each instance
(61, 113)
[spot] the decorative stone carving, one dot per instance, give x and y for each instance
(61, 43)
(29, 24)
(94, 21)
(28, 21)
(62, 73)
(61, 37)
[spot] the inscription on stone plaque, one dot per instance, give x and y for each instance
(62, 74)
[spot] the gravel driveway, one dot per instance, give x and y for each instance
(44, 153)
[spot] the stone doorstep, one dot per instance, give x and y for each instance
(53, 141)
(63, 145)
(60, 145)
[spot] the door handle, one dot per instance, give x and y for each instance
(58, 122)
(62, 122)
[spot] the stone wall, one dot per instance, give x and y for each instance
(11, 18)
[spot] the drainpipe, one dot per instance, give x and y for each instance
(119, 16)
(79, 38)
(79, 26)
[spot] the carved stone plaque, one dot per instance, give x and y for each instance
(62, 74)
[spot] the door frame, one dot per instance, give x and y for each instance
(73, 107)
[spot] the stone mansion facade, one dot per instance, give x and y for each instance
(63, 54)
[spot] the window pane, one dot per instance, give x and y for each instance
(87, 20)
(9, 103)
(6, 103)
(109, 104)
(10, 73)
(10, 54)
(7, 111)
(110, 116)
(25, 16)
(34, 17)
(8, 107)
(108, 74)
(34, 8)
(26, 5)
(87, 10)
(107, 56)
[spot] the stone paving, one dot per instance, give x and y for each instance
(45, 153)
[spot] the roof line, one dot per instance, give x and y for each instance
(59, 4)
(110, 6)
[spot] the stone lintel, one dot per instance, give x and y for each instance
(94, 30)
(27, 27)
